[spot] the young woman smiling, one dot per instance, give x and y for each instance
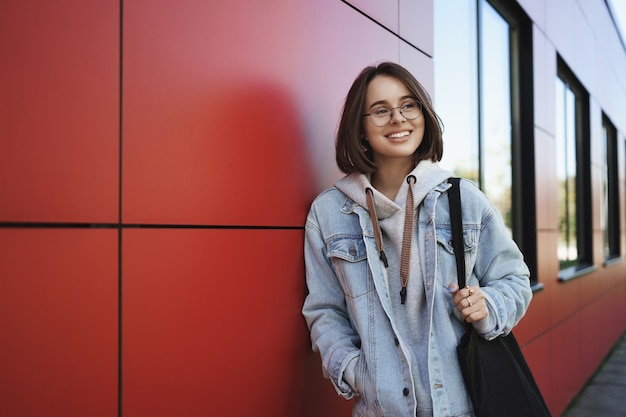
(383, 306)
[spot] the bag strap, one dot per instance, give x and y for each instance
(454, 198)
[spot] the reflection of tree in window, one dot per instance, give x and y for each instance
(566, 174)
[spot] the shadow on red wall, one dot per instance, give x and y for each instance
(233, 159)
(231, 155)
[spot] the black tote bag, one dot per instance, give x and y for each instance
(496, 374)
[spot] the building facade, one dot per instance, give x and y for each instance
(158, 158)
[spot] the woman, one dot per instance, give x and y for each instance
(383, 307)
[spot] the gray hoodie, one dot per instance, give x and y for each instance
(401, 359)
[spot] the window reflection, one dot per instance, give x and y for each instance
(483, 93)
(473, 86)
(495, 98)
(609, 213)
(604, 211)
(456, 87)
(566, 174)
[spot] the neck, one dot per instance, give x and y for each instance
(388, 177)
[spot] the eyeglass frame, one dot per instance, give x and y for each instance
(421, 109)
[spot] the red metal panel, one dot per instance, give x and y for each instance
(538, 318)
(546, 183)
(594, 344)
(320, 398)
(59, 106)
(565, 300)
(58, 315)
(212, 322)
(611, 318)
(591, 286)
(566, 376)
(539, 362)
(222, 121)
(385, 13)
(212, 133)
(617, 307)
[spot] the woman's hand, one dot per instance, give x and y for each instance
(470, 301)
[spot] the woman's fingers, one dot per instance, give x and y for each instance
(470, 302)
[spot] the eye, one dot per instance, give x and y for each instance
(380, 111)
(409, 106)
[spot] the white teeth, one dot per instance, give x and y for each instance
(398, 135)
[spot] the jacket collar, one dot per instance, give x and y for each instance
(428, 175)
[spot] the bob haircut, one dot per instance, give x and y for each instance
(351, 152)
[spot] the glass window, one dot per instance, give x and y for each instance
(483, 93)
(495, 106)
(456, 84)
(573, 166)
(566, 173)
(609, 218)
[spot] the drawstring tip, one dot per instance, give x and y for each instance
(383, 258)
(403, 295)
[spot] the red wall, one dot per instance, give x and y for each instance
(156, 163)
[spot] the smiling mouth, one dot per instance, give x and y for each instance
(398, 135)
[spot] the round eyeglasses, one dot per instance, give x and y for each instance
(380, 116)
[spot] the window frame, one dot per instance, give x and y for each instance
(523, 208)
(584, 237)
(523, 188)
(611, 231)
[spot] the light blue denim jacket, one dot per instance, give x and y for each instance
(348, 306)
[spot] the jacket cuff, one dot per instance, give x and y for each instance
(488, 328)
(346, 378)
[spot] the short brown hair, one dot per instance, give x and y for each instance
(351, 155)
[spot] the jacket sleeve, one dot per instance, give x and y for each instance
(500, 269)
(325, 312)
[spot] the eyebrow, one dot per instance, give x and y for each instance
(386, 103)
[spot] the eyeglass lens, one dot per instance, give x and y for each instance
(381, 116)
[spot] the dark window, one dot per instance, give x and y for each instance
(573, 174)
(609, 218)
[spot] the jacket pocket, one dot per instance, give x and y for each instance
(470, 238)
(349, 259)
(445, 253)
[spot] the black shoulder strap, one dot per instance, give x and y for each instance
(454, 197)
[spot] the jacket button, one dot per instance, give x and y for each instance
(405, 392)
(396, 341)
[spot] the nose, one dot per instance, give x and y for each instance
(396, 114)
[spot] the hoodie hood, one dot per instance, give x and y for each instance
(427, 175)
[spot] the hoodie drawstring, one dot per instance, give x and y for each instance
(378, 235)
(405, 255)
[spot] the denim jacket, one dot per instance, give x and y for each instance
(348, 307)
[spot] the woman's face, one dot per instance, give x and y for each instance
(400, 137)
